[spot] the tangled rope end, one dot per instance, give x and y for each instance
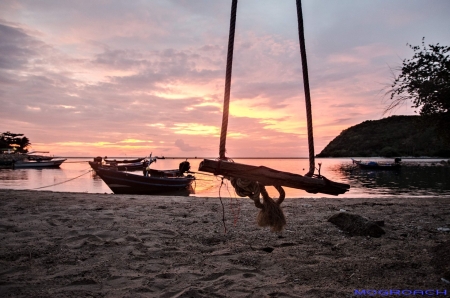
(270, 214)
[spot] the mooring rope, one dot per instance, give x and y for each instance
(64, 181)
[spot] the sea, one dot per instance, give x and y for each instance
(418, 177)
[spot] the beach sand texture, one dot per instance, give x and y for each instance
(98, 245)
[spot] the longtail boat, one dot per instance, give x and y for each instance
(151, 182)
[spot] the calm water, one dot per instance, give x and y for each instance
(418, 179)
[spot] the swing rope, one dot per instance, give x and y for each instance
(301, 37)
(251, 181)
(226, 100)
(270, 211)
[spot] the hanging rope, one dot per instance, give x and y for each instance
(301, 37)
(270, 214)
(226, 100)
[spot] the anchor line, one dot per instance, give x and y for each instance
(65, 181)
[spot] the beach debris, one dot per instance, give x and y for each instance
(442, 229)
(356, 225)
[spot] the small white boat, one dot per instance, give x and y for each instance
(54, 163)
(37, 155)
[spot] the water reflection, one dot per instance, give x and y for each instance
(410, 180)
(12, 175)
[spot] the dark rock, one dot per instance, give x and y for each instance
(267, 249)
(379, 223)
(356, 225)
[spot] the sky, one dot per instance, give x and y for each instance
(127, 78)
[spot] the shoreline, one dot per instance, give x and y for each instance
(23, 155)
(199, 196)
(83, 244)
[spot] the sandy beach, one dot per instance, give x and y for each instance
(102, 245)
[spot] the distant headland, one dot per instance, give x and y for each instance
(388, 137)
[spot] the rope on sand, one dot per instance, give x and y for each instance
(64, 181)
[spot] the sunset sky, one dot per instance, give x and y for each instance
(126, 78)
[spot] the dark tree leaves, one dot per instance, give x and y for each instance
(8, 140)
(425, 81)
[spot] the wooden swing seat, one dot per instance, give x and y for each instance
(270, 177)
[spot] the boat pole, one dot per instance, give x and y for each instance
(301, 36)
(226, 100)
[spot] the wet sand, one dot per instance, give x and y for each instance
(102, 245)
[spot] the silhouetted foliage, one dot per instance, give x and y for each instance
(388, 137)
(10, 139)
(425, 81)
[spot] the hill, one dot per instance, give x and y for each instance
(388, 137)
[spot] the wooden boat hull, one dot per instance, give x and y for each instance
(55, 163)
(126, 183)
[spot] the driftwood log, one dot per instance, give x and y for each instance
(267, 176)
